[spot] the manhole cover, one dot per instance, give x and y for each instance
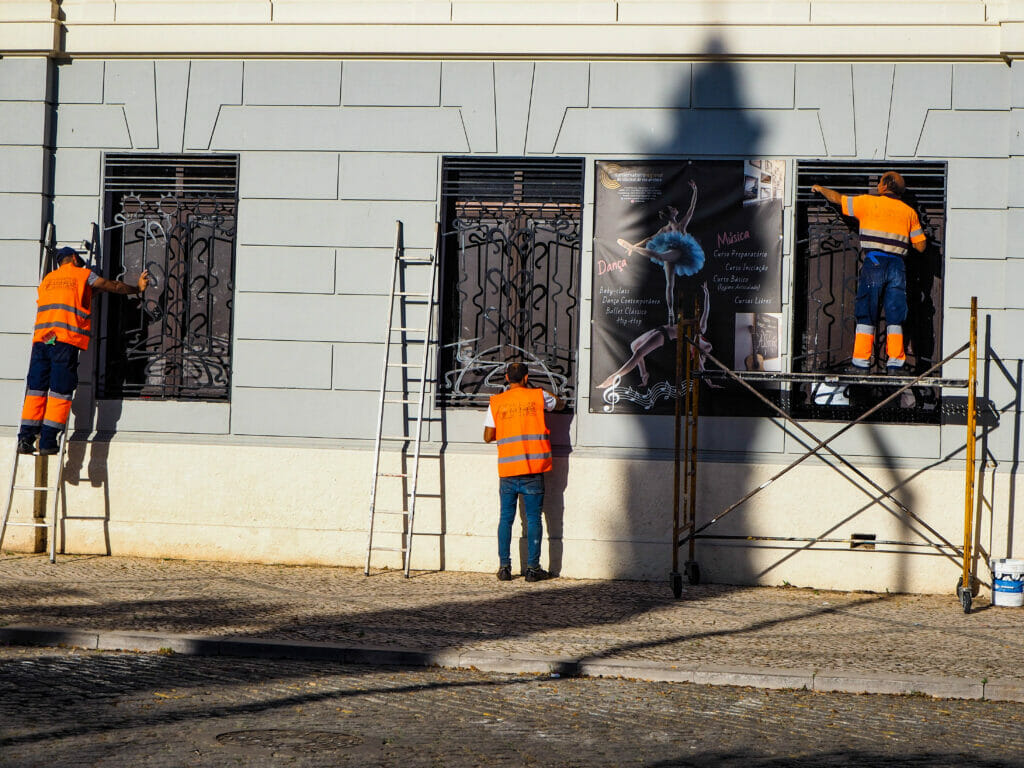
(283, 739)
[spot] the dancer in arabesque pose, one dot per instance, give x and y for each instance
(655, 338)
(675, 249)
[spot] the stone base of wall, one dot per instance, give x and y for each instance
(604, 517)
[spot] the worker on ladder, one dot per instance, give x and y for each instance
(61, 330)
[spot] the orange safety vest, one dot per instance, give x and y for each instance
(523, 444)
(886, 224)
(65, 301)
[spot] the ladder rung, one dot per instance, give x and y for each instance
(413, 294)
(407, 402)
(405, 365)
(405, 329)
(388, 549)
(389, 512)
(405, 260)
(36, 488)
(392, 474)
(404, 438)
(31, 525)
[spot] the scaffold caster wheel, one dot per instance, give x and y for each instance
(677, 584)
(692, 572)
(964, 593)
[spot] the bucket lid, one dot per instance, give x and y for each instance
(1007, 565)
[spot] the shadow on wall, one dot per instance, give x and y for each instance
(88, 454)
(710, 120)
(995, 373)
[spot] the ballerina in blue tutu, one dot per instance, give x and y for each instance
(672, 247)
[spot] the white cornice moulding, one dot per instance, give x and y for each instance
(29, 27)
(1011, 42)
(29, 10)
(546, 41)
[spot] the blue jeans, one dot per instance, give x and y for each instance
(531, 487)
(882, 285)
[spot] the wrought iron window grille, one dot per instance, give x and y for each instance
(510, 253)
(175, 216)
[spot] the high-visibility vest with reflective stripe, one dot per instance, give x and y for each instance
(886, 224)
(64, 304)
(524, 447)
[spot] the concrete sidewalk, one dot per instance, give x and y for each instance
(715, 634)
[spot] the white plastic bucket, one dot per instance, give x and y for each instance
(1008, 582)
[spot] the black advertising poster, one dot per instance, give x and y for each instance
(702, 238)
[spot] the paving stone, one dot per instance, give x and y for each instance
(64, 707)
(714, 633)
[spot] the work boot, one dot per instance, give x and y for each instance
(505, 573)
(26, 445)
(536, 574)
(48, 449)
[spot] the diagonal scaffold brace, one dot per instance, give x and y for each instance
(819, 443)
(686, 337)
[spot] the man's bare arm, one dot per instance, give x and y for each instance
(920, 247)
(488, 434)
(116, 286)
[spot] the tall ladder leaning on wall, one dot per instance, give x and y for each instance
(398, 338)
(40, 486)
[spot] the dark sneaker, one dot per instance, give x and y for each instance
(505, 573)
(536, 574)
(892, 370)
(48, 450)
(26, 446)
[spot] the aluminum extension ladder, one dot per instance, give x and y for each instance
(57, 491)
(397, 340)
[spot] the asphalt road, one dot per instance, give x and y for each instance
(62, 708)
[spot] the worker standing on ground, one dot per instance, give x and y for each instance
(515, 418)
(888, 227)
(62, 329)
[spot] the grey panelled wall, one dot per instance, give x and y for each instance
(332, 153)
(25, 164)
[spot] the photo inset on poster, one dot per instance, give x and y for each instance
(757, 342)
(700, 238)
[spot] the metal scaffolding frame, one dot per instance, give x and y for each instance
(687, 417)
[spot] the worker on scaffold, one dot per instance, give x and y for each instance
(515, 418)
(62, 329)
(888, 227)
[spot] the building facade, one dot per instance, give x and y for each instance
(256, 155)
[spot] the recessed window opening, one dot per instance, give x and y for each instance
(175, 216)
(510, 274)
(827, 259)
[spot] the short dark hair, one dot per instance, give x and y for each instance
(516, 372)
(893, 183)
(65, 253)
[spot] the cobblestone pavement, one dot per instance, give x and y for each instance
(776, 628)
(60, 707)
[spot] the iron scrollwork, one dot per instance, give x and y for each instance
(512, 285)
(176, 342)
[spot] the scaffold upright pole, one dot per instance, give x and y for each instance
(964, 587)
(675, 577)
(690, 568)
